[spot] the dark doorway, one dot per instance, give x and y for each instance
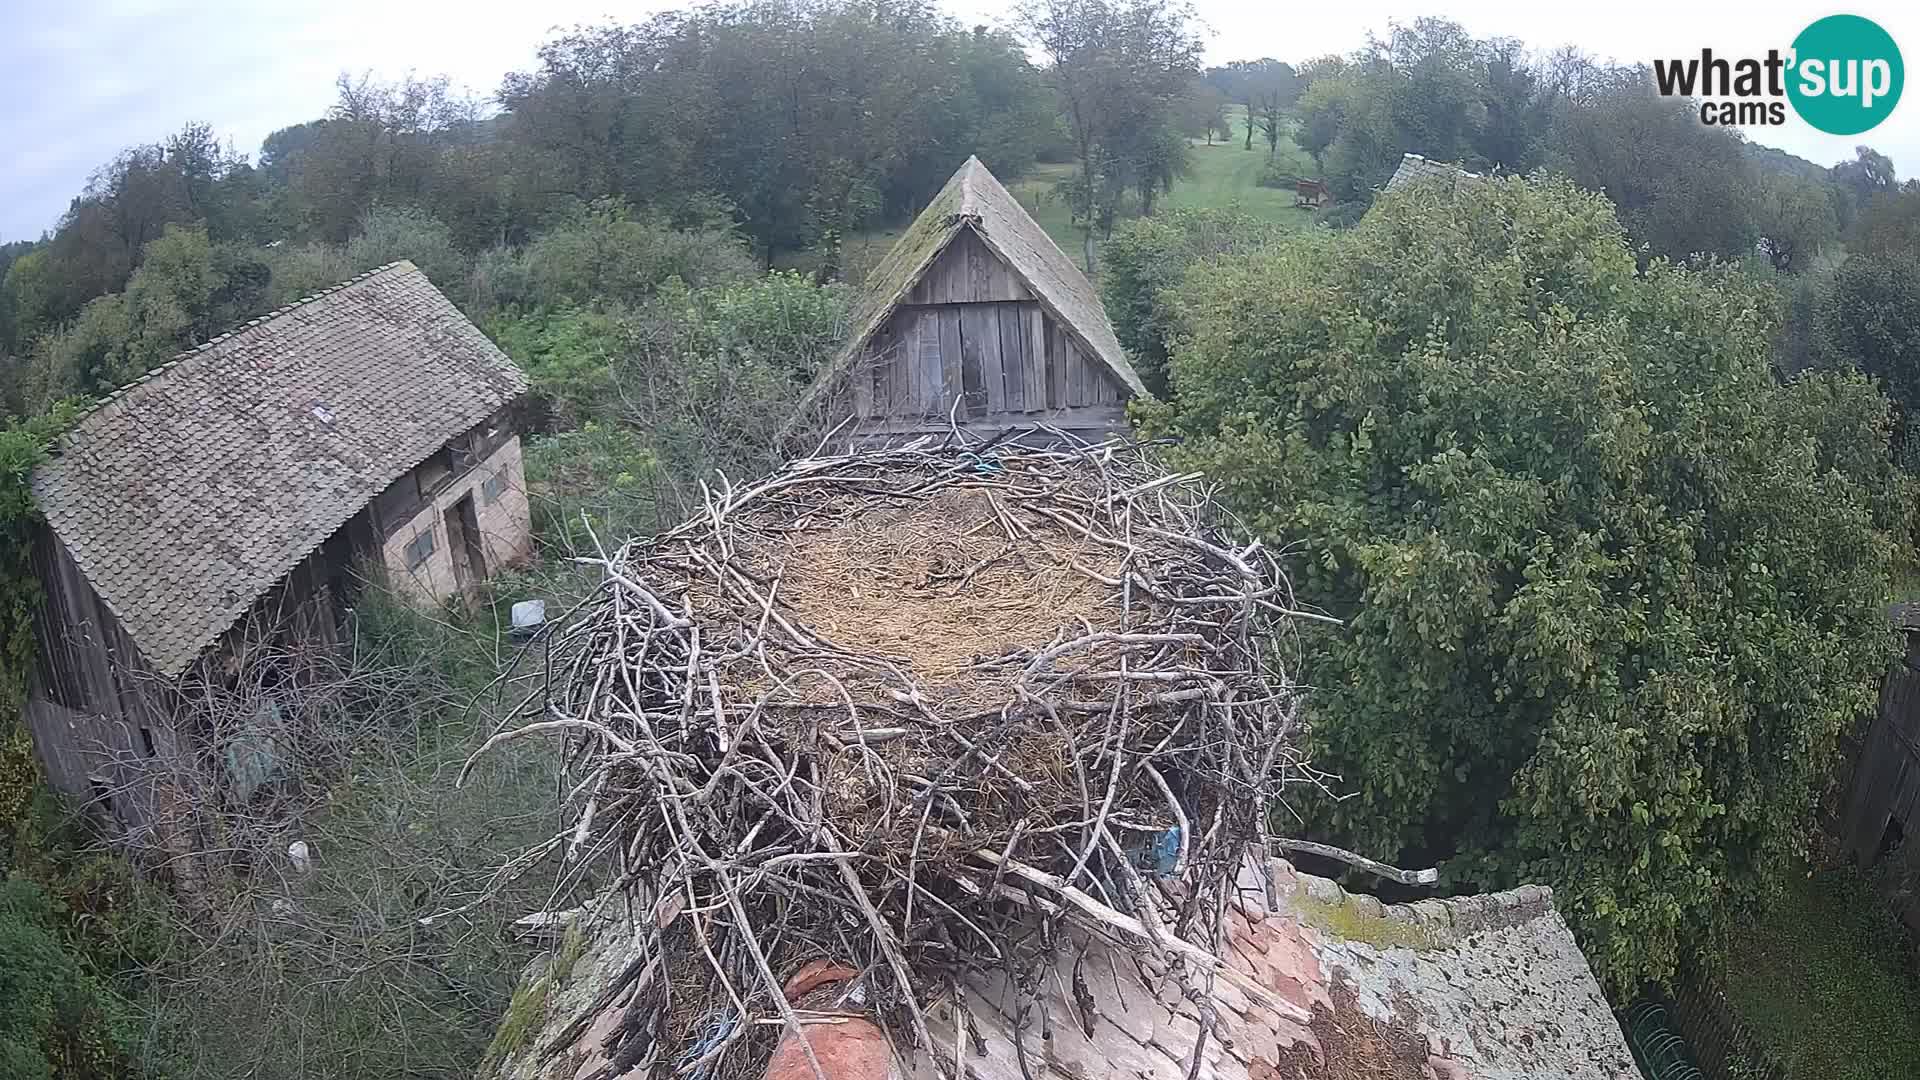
(463, 544)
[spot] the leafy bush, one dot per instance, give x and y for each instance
(1611, 592)
(600, 480)
(1276, 175)
(1342, 215)
(55, 1019)
(23, 445)
(713, 374)
(692, 381)
(1149, 256)
(608, 257)
(383, 235)
(568, 355)
(388, 234)
(305, 269)
(1868, 319)
(1288, 165)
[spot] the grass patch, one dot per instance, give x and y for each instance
(1218, 176)
(1824, 977)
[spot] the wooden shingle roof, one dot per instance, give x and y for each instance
(974, 199)
(1414, 168)
(187, 495)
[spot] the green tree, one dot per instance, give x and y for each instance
(186, 291)
(1868, 318)
(1795, 218)
(1428, 88)
(1611, 592)
(1149, 258)
(1119, 68)
(1681, 187)
(1868, 175)
(1889, 224)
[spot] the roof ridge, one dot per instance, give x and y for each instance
(970, 172)
(349, 396)
(233, 331)
(1447, 918)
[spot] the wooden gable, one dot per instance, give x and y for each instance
(971, 328)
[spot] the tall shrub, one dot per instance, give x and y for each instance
(1611, 593)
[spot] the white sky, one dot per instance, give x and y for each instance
(80, 79)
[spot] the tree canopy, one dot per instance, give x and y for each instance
(1611, 591)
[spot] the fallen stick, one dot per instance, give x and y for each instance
(1378, 869)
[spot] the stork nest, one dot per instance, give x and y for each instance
(920, 711)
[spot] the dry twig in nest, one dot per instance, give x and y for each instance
(926, 711)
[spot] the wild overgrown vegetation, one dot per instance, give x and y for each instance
(1613, 591)
(1597, 480)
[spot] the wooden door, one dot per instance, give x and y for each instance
(463, 544)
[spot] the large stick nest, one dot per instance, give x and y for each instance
(921, 711)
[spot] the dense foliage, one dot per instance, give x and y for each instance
(1612, 592)
(56, 1020)
(1148, 258)
(1121, 71)
(1612, 588)
(790, 126)
(1868, 317)
(1681, 187)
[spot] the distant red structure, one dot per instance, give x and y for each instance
(1311, 193)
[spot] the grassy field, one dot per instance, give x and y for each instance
(1824, 979)
(1220, 175)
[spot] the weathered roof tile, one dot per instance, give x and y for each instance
(1414, 168)
(974, 199)
(188, 494)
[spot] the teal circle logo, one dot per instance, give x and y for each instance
(1846, 76)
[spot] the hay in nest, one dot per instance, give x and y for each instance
(920, 711)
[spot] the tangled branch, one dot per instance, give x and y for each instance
(925, 711)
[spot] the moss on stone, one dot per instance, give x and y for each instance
(1344, 919)
(529, 1005)
(524, 1013)
(572, 945)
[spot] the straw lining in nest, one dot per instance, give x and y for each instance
(920, 710)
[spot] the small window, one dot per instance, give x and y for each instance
(493, 487)
(434, 473)
(419, 548)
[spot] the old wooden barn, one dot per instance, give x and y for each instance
(1881, 818)
(975, 317)
(245, 490)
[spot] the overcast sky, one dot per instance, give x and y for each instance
(82, 79)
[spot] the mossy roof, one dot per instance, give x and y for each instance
(974, 199)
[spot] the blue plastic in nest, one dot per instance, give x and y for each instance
(713, 1030)
(1164, 854)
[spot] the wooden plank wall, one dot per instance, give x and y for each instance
(84, 708)
(1004, 358)
(94, 709)
(1886, 782)
(971, 330)
(967, 273)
